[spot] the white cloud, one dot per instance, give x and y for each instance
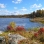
(17, 1)
(35, 6)
(13, 1)
(2, 5)
(42, 8)
(23, 9)
(5, 12)
(15, 13)
(15, 7)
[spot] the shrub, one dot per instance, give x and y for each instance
(41, 30)
(36, 34)
(20, 28)
(11, 26)
(40, 34)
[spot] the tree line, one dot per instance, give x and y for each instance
(38, 13)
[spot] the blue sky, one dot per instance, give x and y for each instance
(16, 7)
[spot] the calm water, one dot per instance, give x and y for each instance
(19, 22)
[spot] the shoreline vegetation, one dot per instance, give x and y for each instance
(14, 34)
(14, 16)
(38, 19)
(37, 16)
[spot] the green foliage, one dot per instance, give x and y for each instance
(38, 13)
(29, 29)
(12, 24)
(35, 29)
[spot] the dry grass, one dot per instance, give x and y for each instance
(23, 33)
(38, 19)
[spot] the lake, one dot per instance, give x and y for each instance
(19, 22)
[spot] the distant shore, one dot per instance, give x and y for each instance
(38, 19)
(14, 16)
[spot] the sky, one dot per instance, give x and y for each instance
(20, 7)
